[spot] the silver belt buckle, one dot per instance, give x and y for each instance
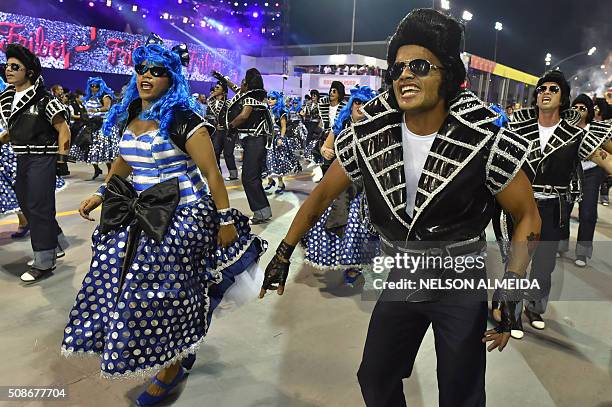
(434, 251)
(548, 189)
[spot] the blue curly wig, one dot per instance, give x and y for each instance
(279, 107)
(177, 96)
(295, 108)
(103, 89)
(362, 93)
(502, 120)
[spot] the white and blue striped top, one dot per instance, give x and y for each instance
(155, 159)
(94, 103)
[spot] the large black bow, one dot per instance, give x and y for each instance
(183, 53)
(151, 211)
(180, 49)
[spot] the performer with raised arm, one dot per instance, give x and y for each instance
(432, 162)
(249, 116)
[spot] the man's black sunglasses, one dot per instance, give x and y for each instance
(419, 67)
(580, 108)
(551, 88)
(14, 67)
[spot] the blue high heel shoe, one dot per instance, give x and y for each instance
(145, 399)
(188, 362)
(350, 280)
(21, 232)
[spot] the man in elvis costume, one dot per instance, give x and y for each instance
(249, 116)
(36, 125)
(329, 108)
(558, 145)
(432, 163)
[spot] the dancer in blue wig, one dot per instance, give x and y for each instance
(295, 124)
(342, 238)
(282, 159)
(166, 251)
(90, 144)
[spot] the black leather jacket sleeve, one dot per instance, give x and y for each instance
(184, 125)
(346, 154)
(507, 155)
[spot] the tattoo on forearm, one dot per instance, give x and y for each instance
(602, 154)
(532, 242)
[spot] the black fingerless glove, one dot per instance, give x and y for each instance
(218, 76)
(278, 268)
(507, 300)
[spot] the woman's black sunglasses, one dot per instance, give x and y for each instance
(156, 71)
(419, 67)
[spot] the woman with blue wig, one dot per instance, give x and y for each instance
(91, 145)
(281, 159)
(295, 124)
(342, 239)
(166, 251)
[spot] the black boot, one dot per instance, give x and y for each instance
(97, 173)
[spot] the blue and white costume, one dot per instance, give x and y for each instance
(91, 145)
(342, 238)
(157, 270)
(163, 310)
(282, 158)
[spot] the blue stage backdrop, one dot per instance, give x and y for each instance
(65, 46)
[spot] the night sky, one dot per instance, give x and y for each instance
(531, 27)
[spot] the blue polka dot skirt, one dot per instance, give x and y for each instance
(103, 149)
(308, 152)
(354, 248)
(163, 310)
(283, 158)
(8, 173)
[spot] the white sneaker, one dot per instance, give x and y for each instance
(580, 263)
(517, 334)
(27, 277)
